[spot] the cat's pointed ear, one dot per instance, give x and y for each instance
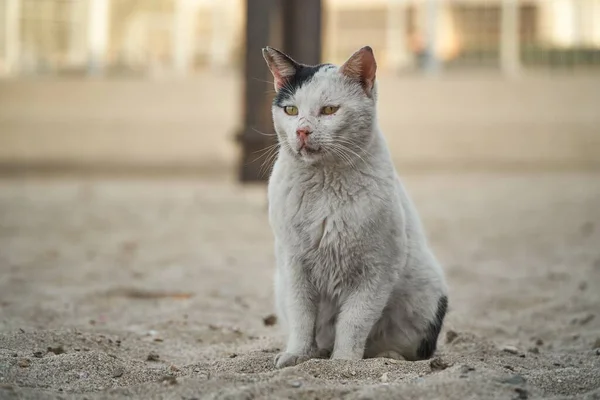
(282, 66)
(361, 67)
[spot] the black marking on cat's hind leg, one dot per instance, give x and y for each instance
(429, 343)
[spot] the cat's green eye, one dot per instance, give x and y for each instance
(290, 110)
(328, 110)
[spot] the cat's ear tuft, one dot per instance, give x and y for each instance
(282, 66)
(361, 67)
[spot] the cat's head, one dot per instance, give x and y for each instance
(324, 112)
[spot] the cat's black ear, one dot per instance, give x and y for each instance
(281, 65)
(361, 66)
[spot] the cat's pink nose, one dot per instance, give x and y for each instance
(302, 134)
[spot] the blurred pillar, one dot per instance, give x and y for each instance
(183, 27)
(397, 46)
(77, 27)
(221, 34)
(510, 55)
(302, 30)
(562, 23)
(12, 37)
(98, 30)
(432, 19)
(294, 26)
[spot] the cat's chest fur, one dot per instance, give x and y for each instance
(323, 222)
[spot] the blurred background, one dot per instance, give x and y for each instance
(128, 129)
(179, 85)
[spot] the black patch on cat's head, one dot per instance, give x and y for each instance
(303, 75)
(429, 343)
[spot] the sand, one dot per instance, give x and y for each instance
(159, 288)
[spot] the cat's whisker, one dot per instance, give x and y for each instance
(266, 148)
(346, 150)
(268, 162)
(342, 152)
(264, 152)
(262, 80)
(356, 154)
(263, 133)
(353, 144)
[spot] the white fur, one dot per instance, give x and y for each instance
(354, 275)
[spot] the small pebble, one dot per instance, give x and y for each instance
(598, 352)
(534, 350)
(295, 384)
(56, 350)
(38, 354)
(521, 393)
(539, 342)
(510, 350)
(24, 363)
(270, 320)
(508, 367)
(196, 370)
(466, 369)
(451, 336)
(384, 377)
(15, 355)
(437, 364)
(118, 373)
(353, 373)
(153, 356)
(588, 318)
(233, 355)
(169, 380)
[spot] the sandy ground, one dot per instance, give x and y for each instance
(159, 288)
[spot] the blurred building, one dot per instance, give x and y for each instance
(157, 37)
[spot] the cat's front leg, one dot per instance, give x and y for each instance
(301, 310)
(361, 310)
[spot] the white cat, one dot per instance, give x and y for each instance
(355, 276)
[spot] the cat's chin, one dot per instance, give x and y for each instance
(310, 155)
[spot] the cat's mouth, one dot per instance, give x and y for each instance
(308, 150)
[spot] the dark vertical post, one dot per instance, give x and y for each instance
(302, 28)
(293, 26)
(256, 89)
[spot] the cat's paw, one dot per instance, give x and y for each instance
(284, 359)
